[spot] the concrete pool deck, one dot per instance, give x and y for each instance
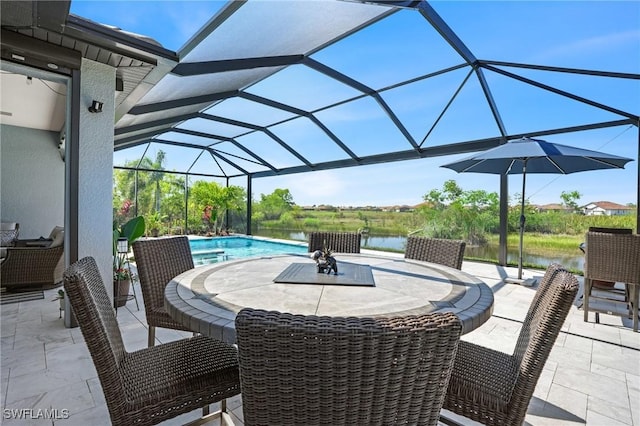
(592, 375)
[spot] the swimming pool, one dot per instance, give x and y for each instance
(218, 249)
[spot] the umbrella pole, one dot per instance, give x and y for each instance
(522, 219)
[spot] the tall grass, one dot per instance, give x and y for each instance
(541, 242)
(547, 235)
(540, 227)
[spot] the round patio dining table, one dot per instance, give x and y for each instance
(207, 298)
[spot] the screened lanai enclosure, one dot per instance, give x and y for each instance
(274, 88)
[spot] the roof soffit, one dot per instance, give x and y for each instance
(44, 32)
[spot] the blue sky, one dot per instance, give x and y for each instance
(577, 34)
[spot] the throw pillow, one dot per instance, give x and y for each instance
(55, 231)
(58, 240)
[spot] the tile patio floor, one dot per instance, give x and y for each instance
(592, 375)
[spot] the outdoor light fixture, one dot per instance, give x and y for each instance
(95, 106)
(123, 245)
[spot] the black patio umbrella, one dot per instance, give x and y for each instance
(528, 155)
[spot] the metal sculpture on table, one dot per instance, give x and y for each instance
(325, 261)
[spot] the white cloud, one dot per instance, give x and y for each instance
(590, 46)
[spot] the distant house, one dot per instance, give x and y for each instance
(606, 208)
(397, 209)
(554, 207)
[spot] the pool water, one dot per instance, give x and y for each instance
(219, 249)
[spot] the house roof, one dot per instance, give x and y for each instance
(608, 205)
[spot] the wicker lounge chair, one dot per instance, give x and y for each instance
(31, 267)
(147, 386)
(337, 242)
(158, 260)
(309, 370)
(494, 388)
(437, 250)
(612, 258)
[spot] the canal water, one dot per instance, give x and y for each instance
(573, 261)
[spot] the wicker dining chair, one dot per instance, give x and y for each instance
(337, 242)
(437, 250)
(606, 286)
(310, 370)
(158, 261)
(150, 385)
(495, 388)
(612, 258)
(618, 231)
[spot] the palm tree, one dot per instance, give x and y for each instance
(156, 176)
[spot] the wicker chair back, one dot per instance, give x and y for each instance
(309, 370)
(437, 250)
(613, 258)
(340, 242)
(94, 313)
(158, 261)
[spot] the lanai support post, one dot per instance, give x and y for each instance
(72, 182)
(248, 204)
(504, 220)
(186, 204)
(135, 193)
(226, 214)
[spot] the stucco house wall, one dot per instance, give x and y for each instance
(36, 183)
(95, 180)
(31, 180)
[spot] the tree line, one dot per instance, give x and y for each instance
(172, 203)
